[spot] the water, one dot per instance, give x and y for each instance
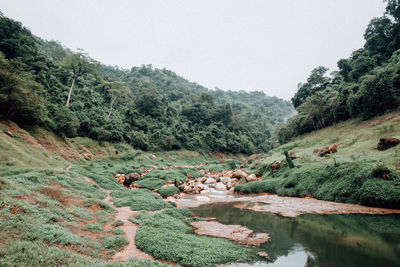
(319, 240)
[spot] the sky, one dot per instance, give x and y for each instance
(249, 45)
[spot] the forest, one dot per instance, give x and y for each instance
(43, 83)
(367, 83)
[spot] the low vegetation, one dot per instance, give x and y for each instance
(357, 173)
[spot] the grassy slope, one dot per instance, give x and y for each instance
(50, 216)
(350, 175)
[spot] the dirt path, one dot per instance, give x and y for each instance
(123, 213)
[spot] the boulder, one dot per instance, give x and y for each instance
(220, 187)
(239, 174)
(386, 143)
(225, 180)
(210, 181)
(242, 181)
(251, 178)
(205, 192)
(199, 187)
(202, 198)
(329, 150)
(130, 178)
(87, 155)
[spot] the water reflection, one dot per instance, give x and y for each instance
(319, 240)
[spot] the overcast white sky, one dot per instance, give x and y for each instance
(232, 44)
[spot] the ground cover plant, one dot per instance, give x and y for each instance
(165, 236)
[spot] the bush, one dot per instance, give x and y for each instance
(94, 227)
(139, 199)
(116, 242)
(173, 175)
(166, 237)
(118, 223)
(151, 183)
(67, 122)
(168, 191)
(380, 193)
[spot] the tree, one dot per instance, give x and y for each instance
(79, 64)
(316, 82)
(118, 91)
(19, 95)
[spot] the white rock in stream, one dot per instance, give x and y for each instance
(220, 187)
(210, 181)
(202, 198)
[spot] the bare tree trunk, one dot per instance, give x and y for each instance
(111, 106)
(70, 92)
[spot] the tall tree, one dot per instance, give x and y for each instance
(118, 91)
(79, 64)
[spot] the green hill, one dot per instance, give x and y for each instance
(354, 174)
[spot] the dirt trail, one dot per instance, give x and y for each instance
(123, 213)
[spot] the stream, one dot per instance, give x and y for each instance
(317, 240)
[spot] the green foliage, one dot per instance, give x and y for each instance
(151, 183)
(151, 109)
(67, 122)
(94, 227)
(118, 223)
(353, 182)
(138, 199)
(116, 242)
(174, 174)
(166, 237)
(168, 191)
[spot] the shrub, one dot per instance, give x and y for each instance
(168, 191)
(67, 122)
(377, 192)
(94, 227)
(151, 183)
(138, 199)
(115, 242)
(118, 223)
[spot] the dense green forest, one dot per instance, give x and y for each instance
(46, 84)
(367, 83)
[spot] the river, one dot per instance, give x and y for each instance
(317, 240)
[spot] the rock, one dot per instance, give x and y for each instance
(170, 182)
(329, 150)
(199, 187)
(130, 178)
(386, 143)
(205, 192)
(232, 190)
(10, 134)
(237, 233)
(225, 180)
(251, 178)
(293, 156)
(153, 156)
(239, 174)
(275, 166)
(242, 181)
(263, 254)
(182, 187)
(202, 198)
(210, 181)
(87, 155)
(220, 187)
(255, 156)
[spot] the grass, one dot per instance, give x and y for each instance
(94, 227)
(355, 174)
(138, 199)
(165, 236)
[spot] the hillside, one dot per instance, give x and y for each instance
(357, 173)
(43, 83)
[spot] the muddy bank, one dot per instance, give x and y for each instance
(285, 206)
